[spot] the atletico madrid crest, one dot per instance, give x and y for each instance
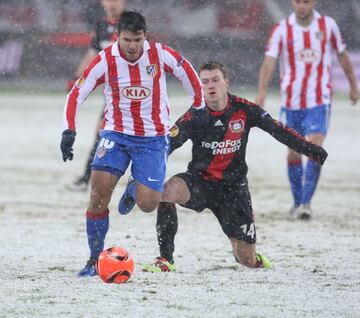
(101, 152)
(320, 35)
(151, 70)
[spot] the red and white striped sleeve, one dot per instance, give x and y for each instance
(177, 65)
(93, 76)
(337, 41)
(274, 43)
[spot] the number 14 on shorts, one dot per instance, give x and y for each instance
(248, 231)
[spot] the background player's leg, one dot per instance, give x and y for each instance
(312, 171)
(295, 174)
(294, 120)
(87, 172)
(81, 183)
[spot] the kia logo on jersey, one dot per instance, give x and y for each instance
(308, 56)
(136, 92)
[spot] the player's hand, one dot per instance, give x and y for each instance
(67, 141)
(260, 99)
(318, 154)
(354, 95)
(70, 84)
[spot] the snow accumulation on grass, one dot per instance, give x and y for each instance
(317, 263)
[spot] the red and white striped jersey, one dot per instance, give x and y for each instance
(305, 59)
(135, 93)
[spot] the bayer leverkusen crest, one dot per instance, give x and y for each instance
(237, 126)
(151, 70)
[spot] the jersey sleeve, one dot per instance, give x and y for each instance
(177, 65)
(336, 39)
(93, 76)
(274, 43)
(285, 135)
(186, 127)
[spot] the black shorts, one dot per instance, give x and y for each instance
(230, 204)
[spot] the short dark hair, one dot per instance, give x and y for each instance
(131, 21)
(213, 65)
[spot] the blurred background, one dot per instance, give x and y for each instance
(42, 41)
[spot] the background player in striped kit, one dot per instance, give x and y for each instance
(136, 121)
(305, 42)
(216, 176)
(104, 33)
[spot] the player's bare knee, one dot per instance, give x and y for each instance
(98, 199)
(147, 206)
(147, 199)
(175, 190)
(293, 156)
(170, 190)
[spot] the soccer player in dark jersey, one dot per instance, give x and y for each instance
(216, 176)
(104, 33)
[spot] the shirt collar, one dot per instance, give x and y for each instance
(292, 17)
(115, 48)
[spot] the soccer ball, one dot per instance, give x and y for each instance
(115, 265)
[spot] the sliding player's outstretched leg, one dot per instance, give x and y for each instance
(246, 255)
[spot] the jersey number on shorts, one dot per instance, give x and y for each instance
(250, 232)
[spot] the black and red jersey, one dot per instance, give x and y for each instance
(105, 33)
(220, 138)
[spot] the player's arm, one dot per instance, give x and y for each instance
(186, 127)
(266, 72)
(339, 47)
(93, 76)
(287, 136)
(347, 66)
(177, 65)
(273, 50)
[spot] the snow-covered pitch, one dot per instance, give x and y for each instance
(43, 238)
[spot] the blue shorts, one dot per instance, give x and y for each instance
(307, 121)
(147, 154)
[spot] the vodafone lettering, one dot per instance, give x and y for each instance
(136, 92)
(222, 147)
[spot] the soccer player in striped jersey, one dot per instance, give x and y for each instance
(305, 43)
(133, 74)
(104, 33)
(216, 175)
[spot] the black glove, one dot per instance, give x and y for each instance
(318, 154)
(67, 141)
